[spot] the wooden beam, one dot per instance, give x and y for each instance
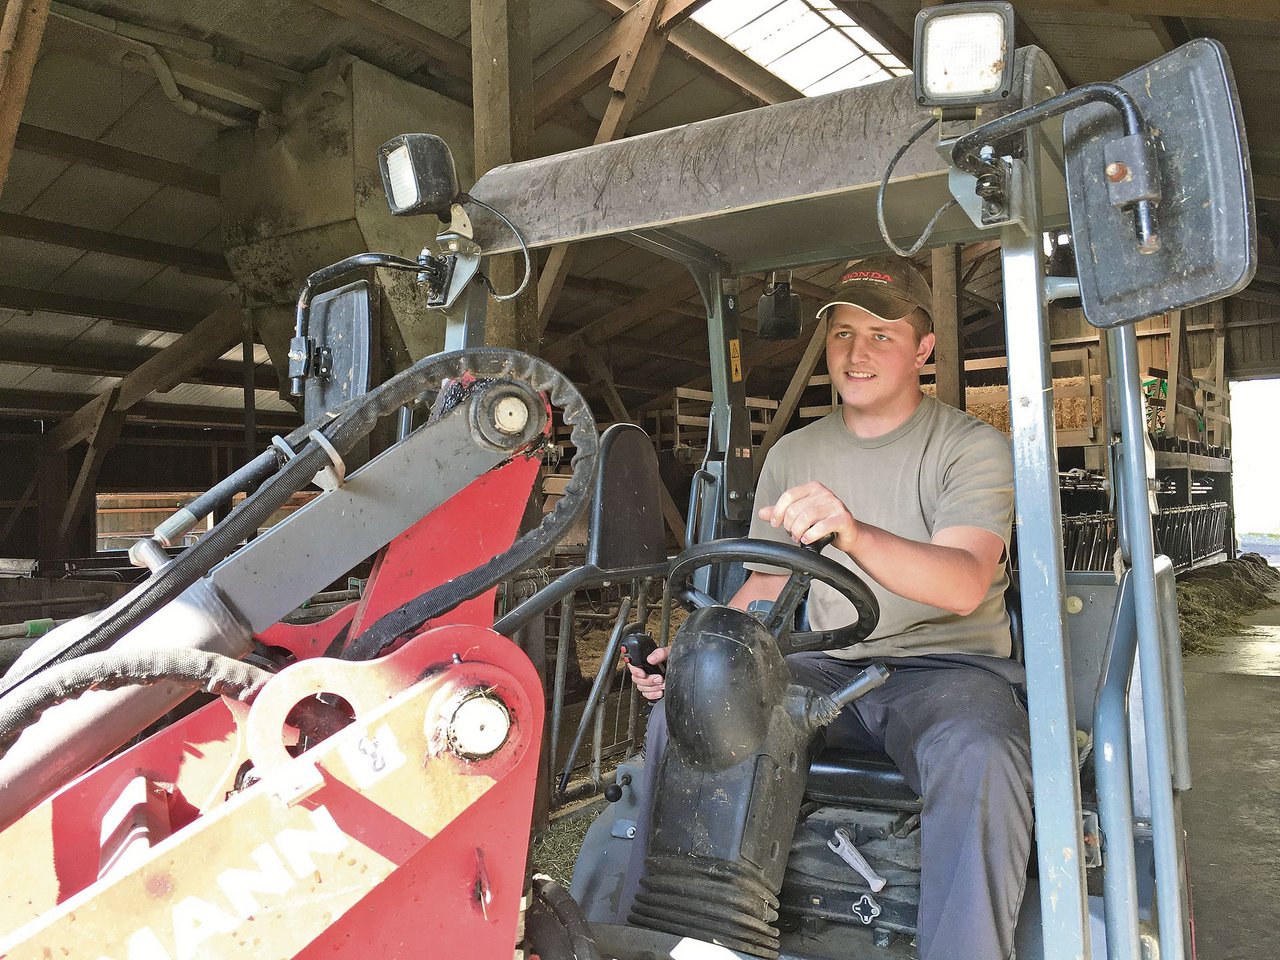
(603, 378)
(51, 498)
(188, 260)
(701, 358)
(455, 57)
(673, 284)
(1266, 186)
(1172, 32)
(20, 505)
(62, 146)
(881, 26)
(101, 438)
(47, 405)
(502, 80)
(221, 373)
(791, 396)
(626, 292)
(638, 55)
(948, 351)
(209, 339)
(124, 314)
(21, 32)
(585, 67)
(1025, 36)
(677, 12)
(1171, 382)
(634, 71)
(720, 58)
(1257, 294)
(555, 270)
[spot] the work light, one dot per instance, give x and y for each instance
(963, 54)
(418, 175)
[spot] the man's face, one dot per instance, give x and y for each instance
(874, 363)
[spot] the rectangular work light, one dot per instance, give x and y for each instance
(418, 174)
(963, 54)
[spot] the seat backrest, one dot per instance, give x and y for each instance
(625, 528)
(1013, 604)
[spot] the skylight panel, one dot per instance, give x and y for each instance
(778, 32)
(811, 44)
(724, 18)
(814, 60)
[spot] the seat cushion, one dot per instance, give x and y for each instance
(859, 777)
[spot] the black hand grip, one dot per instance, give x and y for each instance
(821, 543)
(636, 649)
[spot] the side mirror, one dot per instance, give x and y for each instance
(778, 313)
(341, 326)
(1205, 217)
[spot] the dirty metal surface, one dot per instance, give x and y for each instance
(782, 185)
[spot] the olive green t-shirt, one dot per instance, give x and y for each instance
(942, 468)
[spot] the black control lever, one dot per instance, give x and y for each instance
(636, 649)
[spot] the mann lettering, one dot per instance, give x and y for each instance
(241, 892)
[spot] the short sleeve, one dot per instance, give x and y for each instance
(769, 487)
(977, 485)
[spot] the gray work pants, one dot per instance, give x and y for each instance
(957, 729)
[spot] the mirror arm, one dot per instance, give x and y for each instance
(1133, 176)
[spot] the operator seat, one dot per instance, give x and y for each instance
(868, 777)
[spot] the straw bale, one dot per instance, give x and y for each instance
(991, 404)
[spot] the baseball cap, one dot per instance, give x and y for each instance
(889, 287)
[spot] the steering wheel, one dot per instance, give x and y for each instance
(806, 564)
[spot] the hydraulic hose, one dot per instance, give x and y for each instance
(350, 422)
(568, 917)
(210, 672)
(410, 616)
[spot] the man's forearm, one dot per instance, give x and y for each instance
(942, 576)
(759, 586)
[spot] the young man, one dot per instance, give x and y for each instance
(919, 496)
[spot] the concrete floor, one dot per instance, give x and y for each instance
(1232, 812)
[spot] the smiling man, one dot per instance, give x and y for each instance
(919, 496)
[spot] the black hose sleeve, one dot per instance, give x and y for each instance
(251, 474)
(210, 672)
(346, 425)
(410, 616)
(569, 916)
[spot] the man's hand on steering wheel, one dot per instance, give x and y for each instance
(810, 512)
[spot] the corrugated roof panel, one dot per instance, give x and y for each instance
(86, 196)
(172, 289)
(103, 276)
(172, 215)
(187, 139)
(12, 375)
(57, 98)
(203, 395)
(29, 175)
(53, 381)
(53, 327)
(28, 263)
(113, 336)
